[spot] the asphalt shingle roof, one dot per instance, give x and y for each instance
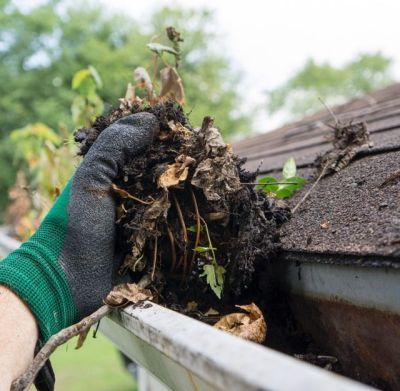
(353, 215)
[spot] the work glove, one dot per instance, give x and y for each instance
(64, 270)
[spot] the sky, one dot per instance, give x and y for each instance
(269, 40)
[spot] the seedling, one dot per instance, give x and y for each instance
(214, 273)
(287, 186)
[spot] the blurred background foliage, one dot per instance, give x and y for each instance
(335, 85)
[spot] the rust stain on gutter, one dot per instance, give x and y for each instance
(365, 340)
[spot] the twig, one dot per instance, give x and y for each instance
(185, 237)
(173, 252)
(136, 262)
(154, 258)
(124, 194)
(329, 110)
(155, 68)
(198, 225)
(210, 245)
(179, 262)
(323, 172)
(26, 379)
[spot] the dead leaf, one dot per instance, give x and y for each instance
(176, 172)
(82, 338)
(218, 174)
(211, 312)
(142, 77)
(171, 85)
(217, 177)
(250, 325)
(214, 143)
(120, 212)
(325, 224)
(191, 306)
(130, 93)
(177, 127)
(130, 98)
(157, 210)
(127, 293)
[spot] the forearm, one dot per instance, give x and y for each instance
(18, 337)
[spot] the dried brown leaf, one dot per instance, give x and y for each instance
(211, 312)
(177, 127)
(157, 210)
(218, 174)
(142, 77)
(250, 325)
(325, 224)
(127, 293)
(191, 306)
(176, 172)
(171, 85)
(217, 177)
(214, 142)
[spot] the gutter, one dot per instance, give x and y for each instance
(186, 354)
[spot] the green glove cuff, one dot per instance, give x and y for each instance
(35, 275)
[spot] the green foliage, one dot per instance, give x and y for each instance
(43, 48)
(29, 142)
(88, 104)
(159, 49)
(193, 228)
(214, 274)
(47, 161)
(289, 168)
(299, 95)
(287, 186)
(202, 249)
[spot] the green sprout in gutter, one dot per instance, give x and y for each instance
(287, 186)
(214, 273)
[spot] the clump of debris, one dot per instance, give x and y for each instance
(190, 218)
(192, 225)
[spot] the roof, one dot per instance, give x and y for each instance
(354, 213)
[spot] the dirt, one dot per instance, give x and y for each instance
(186, 183)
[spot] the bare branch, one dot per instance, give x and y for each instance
(26, 379)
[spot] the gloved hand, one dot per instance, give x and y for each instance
(64, 270)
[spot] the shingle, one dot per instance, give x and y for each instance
(349, 213)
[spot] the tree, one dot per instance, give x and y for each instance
(299, 95)
(42, 48)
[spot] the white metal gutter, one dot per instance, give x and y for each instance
(186, 354)
(362, 286)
